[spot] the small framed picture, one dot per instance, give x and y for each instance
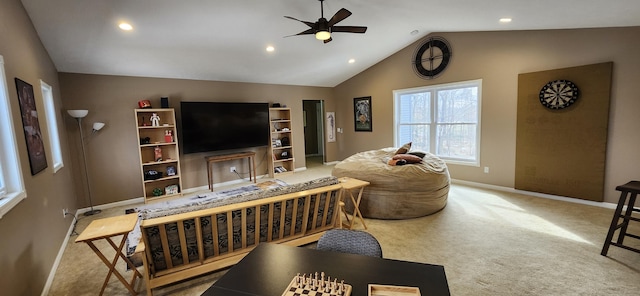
(171, 189)
(171, 171)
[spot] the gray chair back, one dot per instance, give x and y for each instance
(350, 241)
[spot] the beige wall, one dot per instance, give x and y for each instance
(32, 233)
(113, 158)
(498, 58)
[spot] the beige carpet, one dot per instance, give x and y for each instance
(490, 243)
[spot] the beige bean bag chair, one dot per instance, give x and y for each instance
(397, 191)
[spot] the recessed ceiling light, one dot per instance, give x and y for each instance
(351, 61)
(125, 26)
(505, 20)
(270, 48)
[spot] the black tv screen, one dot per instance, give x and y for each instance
(216, 126)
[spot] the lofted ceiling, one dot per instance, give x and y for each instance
(225, 40)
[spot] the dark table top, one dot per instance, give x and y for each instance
(269, 268)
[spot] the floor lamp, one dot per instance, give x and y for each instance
(78, 115)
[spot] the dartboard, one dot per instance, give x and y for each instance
(558, 94)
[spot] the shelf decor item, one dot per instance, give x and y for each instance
(145, 140)
(152, 175)
(144, 104)
(168, 136)
(157, 192)
(158, 153)
(171, 171)
(155, 119)
(171, 189)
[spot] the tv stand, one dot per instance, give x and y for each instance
(250, 155)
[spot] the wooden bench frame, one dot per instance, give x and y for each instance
(234, 254)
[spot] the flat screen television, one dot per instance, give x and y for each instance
(217, 126)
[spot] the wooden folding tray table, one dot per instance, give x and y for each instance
(106, 229)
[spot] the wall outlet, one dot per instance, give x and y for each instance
(65, 212)
(232, 169)
(486, 170)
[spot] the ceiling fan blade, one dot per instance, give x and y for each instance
(348, 29)
(310, 24)
(307, 32)
(339, 16)
(328, 40)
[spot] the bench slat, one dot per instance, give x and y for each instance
(165, 246)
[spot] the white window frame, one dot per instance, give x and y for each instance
(433, 124)
(12, 189)
(52, 125)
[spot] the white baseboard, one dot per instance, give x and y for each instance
(113, 205)
(56, 263)
(607, 205)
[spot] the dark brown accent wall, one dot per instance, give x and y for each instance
(563, 152)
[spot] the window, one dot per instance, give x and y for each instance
(441, 119)
(11, 184)
(52, 124)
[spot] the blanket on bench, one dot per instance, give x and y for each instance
(216, 199)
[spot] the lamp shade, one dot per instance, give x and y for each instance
(98, 126)
(78, 113)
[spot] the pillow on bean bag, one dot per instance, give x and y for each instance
(404, 149)
(417, 153)
(409, 158)
(396, 162)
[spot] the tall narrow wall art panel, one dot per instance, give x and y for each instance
(31, 125)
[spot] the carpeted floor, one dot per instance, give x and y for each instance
(490, 243)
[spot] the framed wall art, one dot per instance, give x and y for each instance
(362, 114)
(330, 124)
(31, 126)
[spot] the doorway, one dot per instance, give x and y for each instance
(313, 132)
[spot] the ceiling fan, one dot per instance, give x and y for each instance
(322, 29)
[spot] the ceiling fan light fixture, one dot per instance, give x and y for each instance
(323, 35)
(323, 28)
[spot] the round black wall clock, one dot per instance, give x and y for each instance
(558, 94)
(432, 57)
